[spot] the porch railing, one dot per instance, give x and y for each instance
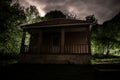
(50, 49)
(76, 48)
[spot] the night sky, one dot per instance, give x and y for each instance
(102, 9)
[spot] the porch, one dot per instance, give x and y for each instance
(63, 41)
(57, 41)
(68, 49)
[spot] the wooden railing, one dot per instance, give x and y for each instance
(50, 49)
(76, 48)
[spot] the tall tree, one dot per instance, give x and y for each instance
(32, 15)
(107, 36)
(11, 15)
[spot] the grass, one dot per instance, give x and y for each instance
(105, 59)
(108, 60)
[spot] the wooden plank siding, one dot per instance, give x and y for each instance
(78, 48)
(76, 40)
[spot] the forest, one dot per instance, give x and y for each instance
(105, 38)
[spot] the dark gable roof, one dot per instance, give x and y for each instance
(55, 23)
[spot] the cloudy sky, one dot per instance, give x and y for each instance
(102, 9)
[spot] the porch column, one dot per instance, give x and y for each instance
(40, 42)
(22, 50)
(89, 39)
(62, 40)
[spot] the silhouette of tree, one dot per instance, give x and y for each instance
(12, 15)
(32, 15)
(116, 18)
(55, 14)
(107, 36)
(91, 18)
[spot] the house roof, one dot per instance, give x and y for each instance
(56, 23)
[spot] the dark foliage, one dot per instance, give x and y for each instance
(106, 37)
(55, 14)
(12, 15)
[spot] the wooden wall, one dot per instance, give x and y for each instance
(76, 41)
(76, 47)
(34, 43)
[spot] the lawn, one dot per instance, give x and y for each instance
(105, 59)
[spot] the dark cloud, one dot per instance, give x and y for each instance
(102, 9)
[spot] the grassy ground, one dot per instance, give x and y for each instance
(105, 59)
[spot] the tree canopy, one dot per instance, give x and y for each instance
(106, 37)
(55, 14)
(32, 15)
(91, 18)
(12, 15)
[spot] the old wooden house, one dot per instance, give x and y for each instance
(57, 41)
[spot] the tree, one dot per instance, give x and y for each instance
(106, 37)
(32, 15)
(91, 18)
(116, 18)
(112, 28)
(12, 15)
(55, 14)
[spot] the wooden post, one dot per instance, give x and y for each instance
(40, 42)
(89, 40)
(62, 40)
(22, 50)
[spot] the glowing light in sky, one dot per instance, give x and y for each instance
(39, 6)
(102, 9)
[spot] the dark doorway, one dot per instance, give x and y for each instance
(51, 42)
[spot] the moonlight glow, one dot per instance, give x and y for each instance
(102, 9)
